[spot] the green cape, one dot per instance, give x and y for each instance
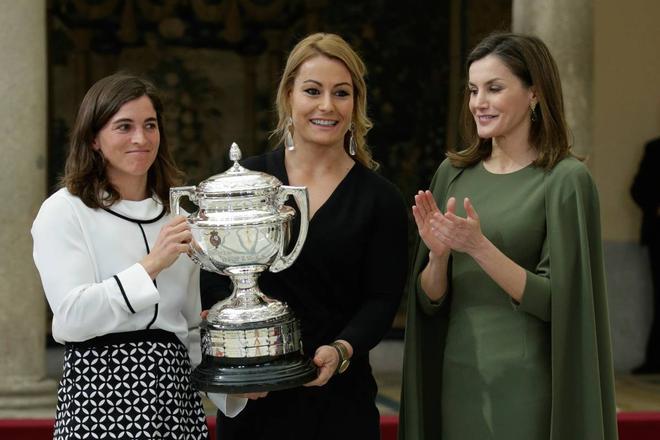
(583, 405)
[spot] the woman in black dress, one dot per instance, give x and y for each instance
(347, 282)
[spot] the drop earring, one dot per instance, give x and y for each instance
(352, 147)
(288, 137)
(532, 112)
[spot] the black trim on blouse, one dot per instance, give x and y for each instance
(123, 293)
(134, 220)
(146, 245)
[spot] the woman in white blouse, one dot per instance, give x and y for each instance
(123, 297)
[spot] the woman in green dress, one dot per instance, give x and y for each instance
(507, 334)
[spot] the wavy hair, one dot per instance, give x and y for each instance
(334, 47)
(85, 168)
(529, 59)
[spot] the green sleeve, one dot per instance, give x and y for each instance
(583, 404)
(426, 304)
(421, 387)
(536, 296)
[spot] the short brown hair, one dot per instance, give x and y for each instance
(529, 59)
(85, 170)
(334, 47)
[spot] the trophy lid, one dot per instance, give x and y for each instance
(238, 180)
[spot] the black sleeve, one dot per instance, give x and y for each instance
(644, 189)
(213, 288)
(384, 274)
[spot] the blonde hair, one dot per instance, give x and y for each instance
(334, 47)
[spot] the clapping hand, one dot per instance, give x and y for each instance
(424, 210)
(457, 233)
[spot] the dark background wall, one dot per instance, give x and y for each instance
(217, 63)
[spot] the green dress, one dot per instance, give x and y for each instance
(496, 353)
(480, 366)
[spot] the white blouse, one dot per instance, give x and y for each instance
(88, 263)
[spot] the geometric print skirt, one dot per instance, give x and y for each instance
(133, 385)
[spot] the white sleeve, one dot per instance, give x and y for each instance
(194, 348)
(82, 306)
(191, 312)
(230, 405)
(193, 305)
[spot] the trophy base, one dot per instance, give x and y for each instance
(289, 371)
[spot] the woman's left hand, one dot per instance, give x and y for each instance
(326, 359)
(460, 234)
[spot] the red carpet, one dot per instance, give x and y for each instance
(388, 425)
(639, 425)
(632, 426)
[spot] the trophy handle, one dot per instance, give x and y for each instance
(299, 193)
(176, 193)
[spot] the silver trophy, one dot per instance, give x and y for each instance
(250, 342)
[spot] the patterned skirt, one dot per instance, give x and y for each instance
(133, 385)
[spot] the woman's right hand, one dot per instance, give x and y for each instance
(433, 278)
(424, 210)
(172, 241)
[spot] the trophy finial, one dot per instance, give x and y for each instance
(235, 152)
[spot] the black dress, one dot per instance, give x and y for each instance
(346, 284)
(645, 193)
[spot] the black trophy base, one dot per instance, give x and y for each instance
(287, 372)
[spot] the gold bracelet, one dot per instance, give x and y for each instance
(344, 360)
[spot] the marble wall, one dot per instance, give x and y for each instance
(23, 116)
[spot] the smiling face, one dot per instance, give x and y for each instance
(129, 142)
(499, 100)
(321, 102)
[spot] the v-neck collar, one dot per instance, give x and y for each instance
(276, 163)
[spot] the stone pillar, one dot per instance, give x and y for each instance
(566, 26)
(456, 63)
(24, 390)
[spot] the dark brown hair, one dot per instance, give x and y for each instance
(529, 59)
(85, 170)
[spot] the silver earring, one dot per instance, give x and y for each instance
(288, 137)
(532, 112)
(352, 146)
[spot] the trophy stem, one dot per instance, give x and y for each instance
(247, 303)
(246, 290)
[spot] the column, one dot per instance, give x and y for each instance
(24, 390)
(566, 26)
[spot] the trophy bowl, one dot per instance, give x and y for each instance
(250, 342)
